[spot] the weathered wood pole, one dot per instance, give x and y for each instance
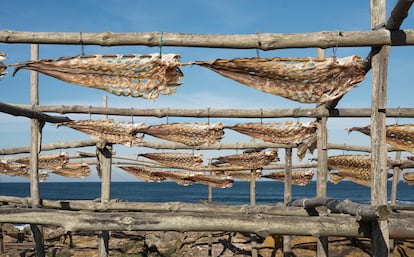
(394, 188)
(379, 64)
(253, 203)
(35, 131)
(104, 153)
(322, 174)
(287, 197)
(1, 239)
(395, 179)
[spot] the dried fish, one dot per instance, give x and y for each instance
(135, 75)
(188, 133)
(299, 177)
(109, 130)
(146, 174)
(306, 80)
(46, 161)
(3, 67)
(250, 160)
(73, 170)
(409, 178)
(356, 168)
(176, 160)
(278, 132)
(400, 137)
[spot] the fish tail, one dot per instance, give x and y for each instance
(335, 178)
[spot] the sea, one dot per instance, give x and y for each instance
(267, 192)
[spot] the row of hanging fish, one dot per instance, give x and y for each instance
(247, 161)
(56, 163)
(305, 80)
(198, 133)
(181, 178)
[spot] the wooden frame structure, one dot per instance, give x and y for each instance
(384, 35)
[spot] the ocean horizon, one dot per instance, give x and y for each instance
(267, 192)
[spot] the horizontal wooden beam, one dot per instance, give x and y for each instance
(264, 41)
(115, 205)
(401, 227)
(31, 113)
(363, 212)
(260, 224)
(214, 113)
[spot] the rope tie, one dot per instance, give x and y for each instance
(337, 44)
(81, 44)
(161, 43)
(259, 44)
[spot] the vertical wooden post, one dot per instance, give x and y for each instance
(35, 131)
(394, 188)
(104, 153)
(253, 203)
(253, 188)
(287, 197)
(1, 239)
(395, 179)
(379, 64)
(322, 175)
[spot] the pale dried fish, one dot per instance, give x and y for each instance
(135, 75)
(278, 132)
(400, 137)
(306, 80)
(176, 160)
(249, 160)
(109, 130)
(298, 177)
(188, 133)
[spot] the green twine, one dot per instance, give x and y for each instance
(161, 43)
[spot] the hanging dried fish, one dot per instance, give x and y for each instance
(356, 168)
(73, 170)
(109, 130)
(249, 160)
(13, 169)
(211, 180)
(278, 132)
(306, 80)
(188, 133)
(244, 175)
(178, 177)
(145, 174)
(3, 67)
(176, 160)
(135, 75)
(409, 178)
(306, 146)
(400, 137)
(299, 177)
(46, 161)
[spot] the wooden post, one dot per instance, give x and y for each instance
(35, 131)
(104, 153)
(379, 64)
(287, 197)
(322, 174)
(395, 179)
(1, 239)
(394, 188)
(253, 203)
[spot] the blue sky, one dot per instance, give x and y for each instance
(201, 88)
